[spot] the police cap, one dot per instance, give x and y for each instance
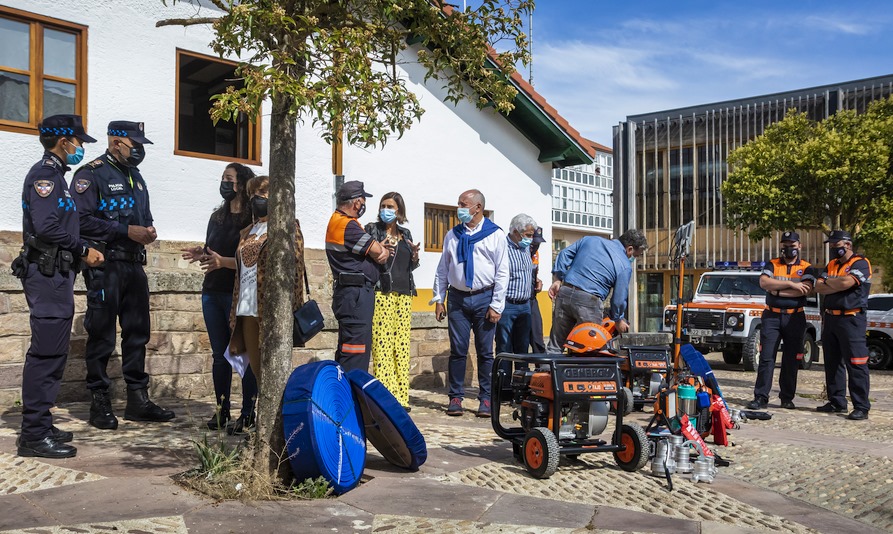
(65, 125)
(351, 190)
(838, 235)
(130, 130)
(538, 235)
(790, 236)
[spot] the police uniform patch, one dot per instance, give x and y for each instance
(81, 185)
(799, 272)
(49, 163)
(139, 185)
(44, 187)
(95, 163)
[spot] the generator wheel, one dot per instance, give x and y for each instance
(541, 452)
(635, 455)
(628, 401)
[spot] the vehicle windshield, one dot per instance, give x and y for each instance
(731, 285)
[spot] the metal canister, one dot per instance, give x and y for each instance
(663, 459)
(704, 470)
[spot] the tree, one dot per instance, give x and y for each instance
(836, 173)
(334, 62)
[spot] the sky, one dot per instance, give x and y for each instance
(598, 61)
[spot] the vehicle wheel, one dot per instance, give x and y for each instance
(879, 353)
(635, 455)
(810, 351)
(541, 452)
(628, 401)
(750, 354)
(732, 356)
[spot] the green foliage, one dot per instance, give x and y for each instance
(312, 488)
(216, 456)
(335, 61)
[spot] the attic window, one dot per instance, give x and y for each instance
(198, 79)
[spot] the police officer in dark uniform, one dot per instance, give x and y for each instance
(787, 280)
(536, 317)
(47, 266)
(113, 202)
(352, 255)
(846, 283)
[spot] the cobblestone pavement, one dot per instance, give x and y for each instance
(799, 472)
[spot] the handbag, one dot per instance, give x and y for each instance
(308, 319)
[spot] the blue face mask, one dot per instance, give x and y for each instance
(387, 215)
(74, 159)
(464, 215)
(632, 260)
(525, 242)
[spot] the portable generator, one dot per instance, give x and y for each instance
(563, 404)
(645, 372)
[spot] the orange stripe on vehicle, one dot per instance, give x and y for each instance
(859, 361)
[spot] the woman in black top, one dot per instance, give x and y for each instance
(218, 261)
(393, 298)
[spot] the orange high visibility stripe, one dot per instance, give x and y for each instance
(859, 361)
(346, 347)
(335, 230)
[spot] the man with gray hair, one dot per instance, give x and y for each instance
(584, 274)
(513, 329)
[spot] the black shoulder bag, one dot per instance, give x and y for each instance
(308, 319)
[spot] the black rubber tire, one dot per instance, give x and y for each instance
(880, 353)
(810, 351)
(750, 353)
(540, 452)
(732, 356)
(628, 401)
(636, 455)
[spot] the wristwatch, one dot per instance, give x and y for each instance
(84, 250)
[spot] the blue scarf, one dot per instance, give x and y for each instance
(465, 246)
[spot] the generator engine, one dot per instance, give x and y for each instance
(533, 397)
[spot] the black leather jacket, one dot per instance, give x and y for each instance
(378, 231)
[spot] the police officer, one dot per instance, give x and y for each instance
(787, 280)
(352, 255)
(536, 317)
(47, 267)
(113, 202)
(846, 283)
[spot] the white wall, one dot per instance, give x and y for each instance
(132, 72)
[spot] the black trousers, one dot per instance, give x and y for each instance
(777, 327)
(843, 343)
(51, 303)
(353, 307)
(536, 328)
(117, 291)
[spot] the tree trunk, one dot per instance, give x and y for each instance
(276, 335)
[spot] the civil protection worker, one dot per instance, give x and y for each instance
(113, 202)
(787, 280)
(353, 255)
(47, 266)
(846, 283)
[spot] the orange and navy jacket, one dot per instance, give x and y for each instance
(799, 271)
(855, 297)
(347, 246)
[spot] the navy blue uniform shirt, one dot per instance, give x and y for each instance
(48, 209)
(110, 197)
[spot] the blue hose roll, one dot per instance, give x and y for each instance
(388, 427)
(323, 427)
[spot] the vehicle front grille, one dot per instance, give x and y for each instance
(697, 319)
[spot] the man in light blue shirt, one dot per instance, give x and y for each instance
(584, 274)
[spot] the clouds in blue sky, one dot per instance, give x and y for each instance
(598, 62)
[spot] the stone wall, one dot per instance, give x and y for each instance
(178, 355)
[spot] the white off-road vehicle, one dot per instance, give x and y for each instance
(880, 330)
(725, 315)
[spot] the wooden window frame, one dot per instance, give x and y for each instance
(434, 243)
(254, 134)
(35, 73)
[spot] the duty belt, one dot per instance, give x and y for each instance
(123, 255)
(785, 310)
(855, 311)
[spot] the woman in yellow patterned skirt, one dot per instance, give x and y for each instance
(393, 298)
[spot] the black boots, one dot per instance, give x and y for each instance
(101, 415)
(45, 448)
(140, 408)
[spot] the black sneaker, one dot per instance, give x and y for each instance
(857, 415)
(60, 436)
(788, 405)
(830, 408)
(757, 404)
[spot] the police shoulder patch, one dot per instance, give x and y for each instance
(44, 187)
(95, 163)
(49, 163)
(81, 185)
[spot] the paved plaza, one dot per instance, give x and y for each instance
(801, 471)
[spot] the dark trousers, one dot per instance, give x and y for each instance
(536, 327)
(845, 350)
(571, 307)
(216, 307)
(353, 307)
(51, 303)
(775, 328)
(119, 291)
(466, 314)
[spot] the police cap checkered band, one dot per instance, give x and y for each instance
(130, 130)
(65, 125)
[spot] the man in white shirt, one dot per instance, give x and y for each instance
(474, 271)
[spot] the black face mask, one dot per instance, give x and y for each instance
(137, 155)
(361, 211)
(789, 253)
(840, 251)
(228, 191)
(259, 206)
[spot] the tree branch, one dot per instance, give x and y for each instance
(186, 22)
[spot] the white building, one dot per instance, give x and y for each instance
(582, 199)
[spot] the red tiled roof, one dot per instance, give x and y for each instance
(599, 147)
